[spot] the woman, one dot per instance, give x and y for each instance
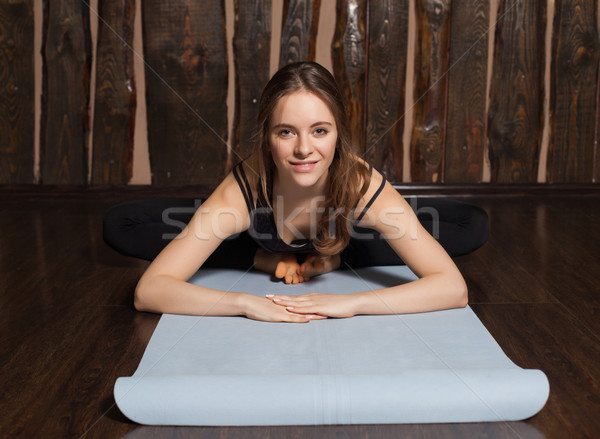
(303, 193)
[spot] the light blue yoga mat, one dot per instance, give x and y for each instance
(422, 368)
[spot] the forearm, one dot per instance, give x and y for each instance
(430, 293)
(164, 294)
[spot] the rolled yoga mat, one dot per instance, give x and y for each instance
(441, 366)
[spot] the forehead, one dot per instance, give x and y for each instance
(301, 107)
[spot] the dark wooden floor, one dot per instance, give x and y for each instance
(68, 329)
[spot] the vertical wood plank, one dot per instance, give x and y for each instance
(115, 102)
(467, 82)
(431, 83)
(575, 52)
(64, 128)
(348, 55)
(516, 95)
(597, 131)
(186, 90)
(299, 31)
(252, 51)
(16, 92)
(388, 34)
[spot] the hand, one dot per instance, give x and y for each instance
(264, 309)
(315, 265)
(318, 304)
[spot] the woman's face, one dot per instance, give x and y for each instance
(303, 137)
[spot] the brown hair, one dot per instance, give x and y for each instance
(348, 178)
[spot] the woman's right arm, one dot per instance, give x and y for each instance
(163, 288)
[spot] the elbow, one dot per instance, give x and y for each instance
(141, 297)
(462, 294)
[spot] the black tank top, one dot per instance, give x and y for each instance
(262, 221)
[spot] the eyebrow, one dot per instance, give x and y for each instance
(287, 125)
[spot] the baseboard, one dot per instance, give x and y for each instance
(33, 191)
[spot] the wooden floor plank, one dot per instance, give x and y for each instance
(68, 330)
(547, 337)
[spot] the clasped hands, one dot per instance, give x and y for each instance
(299, 309)
(316, 306)
(305, 307)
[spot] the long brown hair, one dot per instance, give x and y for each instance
(348, 178)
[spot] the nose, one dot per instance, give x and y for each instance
(303, 146)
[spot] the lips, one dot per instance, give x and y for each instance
(304, 166)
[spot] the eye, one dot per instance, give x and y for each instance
(284, 132)
(321, 131)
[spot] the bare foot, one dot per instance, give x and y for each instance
(288, 269)
(283, 266)
(316, 264)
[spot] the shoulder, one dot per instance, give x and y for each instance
(229, 193)
(375, 181)
(380, 201)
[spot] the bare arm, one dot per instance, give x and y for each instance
(163, 288)
(440, 284)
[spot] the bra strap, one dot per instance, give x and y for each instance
(373, 198)
(239, 174)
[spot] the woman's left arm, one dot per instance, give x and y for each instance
(440, 284)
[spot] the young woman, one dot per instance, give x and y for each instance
(307, 200)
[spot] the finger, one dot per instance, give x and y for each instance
(307, 314)
(302, 317)
(280, 300)
(298, 317)
(278, 297)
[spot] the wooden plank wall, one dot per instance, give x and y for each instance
(467, 87)
(576, 51)
(385, 109)
(428, 142)
(16, 92)
(462, 114)
(66, 50)
(516, 102)
(186, 90)
(252, 48)
(115, 103)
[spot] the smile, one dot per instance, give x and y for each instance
(303, 166)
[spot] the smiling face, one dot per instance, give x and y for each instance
(302, 137)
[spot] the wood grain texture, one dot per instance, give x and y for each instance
(467, 87)
(16, 92)
(115, 101)
(348, 55)
(597, 131)
(431, 84)
(252, 52)
(66, 51)
(299, 31)
(574, 75)
(517, 91)
(388, 34)
(79, 331)
(186, 90)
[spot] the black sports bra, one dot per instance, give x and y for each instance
(262, 221)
